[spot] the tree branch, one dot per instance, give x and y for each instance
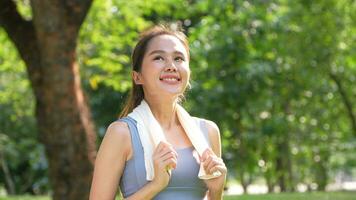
(346, 101)
(65, 15)
(22, 34)
(77, 10)
(11, 20)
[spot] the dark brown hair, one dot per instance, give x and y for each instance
(136, 93)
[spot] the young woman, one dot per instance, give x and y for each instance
(160, 76)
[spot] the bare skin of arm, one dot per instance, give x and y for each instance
(113, 153)
(212, 162)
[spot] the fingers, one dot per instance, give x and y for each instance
(212, 163)
(160, 147)
(209, 163)
(167, 150)
(163, 146)
(220, 168)
(165, 156)
(171, 163)
(170, 159)
(208, 152)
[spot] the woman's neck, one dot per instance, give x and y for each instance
(164, 111)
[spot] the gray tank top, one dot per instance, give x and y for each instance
(184, 183)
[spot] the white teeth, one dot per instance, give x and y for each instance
(170, 79)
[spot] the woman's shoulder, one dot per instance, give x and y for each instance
(213, 133)
(117, 138)
(210, 125)
(118, 129)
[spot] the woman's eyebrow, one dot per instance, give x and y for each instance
(161, 51)
(178, 52)
(156, 51)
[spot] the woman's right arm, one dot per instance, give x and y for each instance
(114, 150)
(110, 161)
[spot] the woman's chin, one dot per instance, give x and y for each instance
(172, 92)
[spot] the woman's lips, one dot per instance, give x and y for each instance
(170, 79)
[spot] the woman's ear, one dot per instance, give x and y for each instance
(136, 76)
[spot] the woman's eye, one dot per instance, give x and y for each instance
(158, 58)
(179, 59)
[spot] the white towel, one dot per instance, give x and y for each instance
(151, 134)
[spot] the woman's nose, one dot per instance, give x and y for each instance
(170, 67)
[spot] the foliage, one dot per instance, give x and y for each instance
(21, 151)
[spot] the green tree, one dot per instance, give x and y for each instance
(47, 44)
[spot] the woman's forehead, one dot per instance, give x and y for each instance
(166, 43)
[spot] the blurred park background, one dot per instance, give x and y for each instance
(277, 76)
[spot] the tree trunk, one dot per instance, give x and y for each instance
(268, 174)
(321, 176)
(321, 172)
(284, 166)
(288, 163)
(291, 185)
(281, 165)
(9, 182)
(270, 187)
(242, 159)
(47, 45)
(243, 181)
(280, 174)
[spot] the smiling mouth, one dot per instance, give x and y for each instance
(170, 79)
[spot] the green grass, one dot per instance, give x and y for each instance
(283, 196)
(25, 198)
(298, 196)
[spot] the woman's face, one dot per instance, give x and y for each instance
(165, 67)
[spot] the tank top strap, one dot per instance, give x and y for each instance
(135, 137)
(134, 175)
(203, 127)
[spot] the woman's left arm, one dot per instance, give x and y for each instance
(212, 162)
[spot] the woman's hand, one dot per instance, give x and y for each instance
(164, 158)
(213, 163)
